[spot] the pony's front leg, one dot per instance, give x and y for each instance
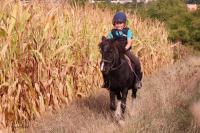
(118, 112)
(121, 106)
(123, 101)
(112, 101)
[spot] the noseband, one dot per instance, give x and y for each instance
(107, 61)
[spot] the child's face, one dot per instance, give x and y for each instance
(119, 25)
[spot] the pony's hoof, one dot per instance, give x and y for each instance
(132, 113)
(121, 123)
(112, 107)
(117, 116)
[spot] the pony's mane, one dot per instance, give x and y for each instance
(116, 43)
(113, 43)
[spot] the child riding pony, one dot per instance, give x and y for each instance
(124, 36)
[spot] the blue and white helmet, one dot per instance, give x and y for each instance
(119, 17)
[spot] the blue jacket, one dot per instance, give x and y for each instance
(121, 35)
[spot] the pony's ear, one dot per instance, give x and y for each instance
(103, 38)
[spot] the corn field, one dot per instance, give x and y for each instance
(49, 55)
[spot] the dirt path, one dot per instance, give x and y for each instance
(164, 93)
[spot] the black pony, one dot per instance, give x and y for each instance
(121, 77)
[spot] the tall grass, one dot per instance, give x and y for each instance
(163, 105)
(49, 55)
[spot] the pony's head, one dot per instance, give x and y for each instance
(109, 52)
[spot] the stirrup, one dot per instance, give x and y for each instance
(138, 84)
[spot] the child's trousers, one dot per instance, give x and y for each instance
(136, 63)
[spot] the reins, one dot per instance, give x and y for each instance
(117, 67)
(114, 62)
(107, 61)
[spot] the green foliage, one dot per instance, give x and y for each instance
(183, 25)
(193, 1)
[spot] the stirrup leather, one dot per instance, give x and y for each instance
(129, 62)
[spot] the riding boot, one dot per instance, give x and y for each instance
(105, 81)
(138, 83)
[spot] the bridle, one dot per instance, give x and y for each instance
(113, 67)
(107, 61)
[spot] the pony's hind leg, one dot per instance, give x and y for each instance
(119, 97)
(134, 91)
(112, 101)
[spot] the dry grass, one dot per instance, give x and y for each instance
(196, 112)
(164, 103)
(49, 55)
(195, 109)
(162, 106)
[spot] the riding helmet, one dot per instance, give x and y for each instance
(119, 17)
